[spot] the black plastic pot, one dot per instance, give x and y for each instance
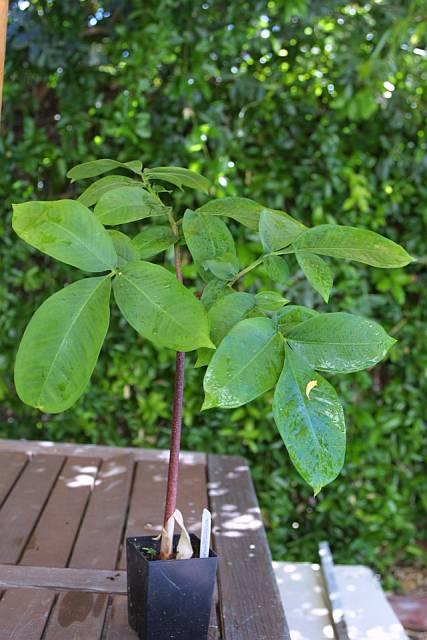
(169, 599)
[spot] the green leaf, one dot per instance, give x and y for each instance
(317, 272)
(98, 167)
(277, 268)
(153, 240)
(291, 316)
(242, 210)
(351, 243)
(127, 204)
(160, 308)
(179, 177)
(246, 364)
(61, 344)
(312, 428)
(124, 247)
(224, 267)
(340, 342)
(207, 239)
(226, 312)
(277, 229)
(67, 231)
(270, 300)
(94, 191)
(204, 356)
(214, 290)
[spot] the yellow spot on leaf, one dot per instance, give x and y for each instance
(309, 387)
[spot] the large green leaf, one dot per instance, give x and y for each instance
(243, 210)
(290, 316)
(98, 167)
(277, 268)
(160, 308)
(208, 238)
(214, 290)
(67, 231)
(224, 267)
(317, 272)
(340, 342)
(225, 312)
(310, 420)
(179, 177)
(153, 240)
(277, 229)
(61, 344)
(124, 247)
(351, 243)
(270, 300)
(246, 364)
(127, 204)
(93, 193)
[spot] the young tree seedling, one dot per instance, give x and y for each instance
(250, 341)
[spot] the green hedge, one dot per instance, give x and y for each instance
(316, 108)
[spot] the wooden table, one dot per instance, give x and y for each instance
(65, 511)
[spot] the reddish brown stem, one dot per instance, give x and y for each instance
(175, 442)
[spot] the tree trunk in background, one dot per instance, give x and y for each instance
(3, 27)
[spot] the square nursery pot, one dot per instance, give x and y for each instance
(169, 599)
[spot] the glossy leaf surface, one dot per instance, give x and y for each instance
(277, 268)
(61, 344)
(160, 308)
(291, 316)
(125, 250)
(277, 229)
(127, 204)
(317, 272)
(179, 177)
(98, 167)
(67, 231)
(153, 240)
(223, 267)
(208, 238)
(270, 300)
(340, 342)
(313, 427)
(351, 243)
(242, 210)
(93, 193)
(247, 363)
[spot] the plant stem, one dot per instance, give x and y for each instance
(175, 442)
(246, 270)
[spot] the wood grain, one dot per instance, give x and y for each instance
(11, 466)
(23, 507)
(82, 614)
(250, 602)
(88, 580)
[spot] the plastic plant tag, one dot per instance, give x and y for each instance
(205, 537)
(184, 550)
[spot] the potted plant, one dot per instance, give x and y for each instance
(249, 341)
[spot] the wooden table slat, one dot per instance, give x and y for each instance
(82, 614)
(90, 580)
(11, 466)
(25, 503)
(25, 611)
(250, 601)
(71, 519)
(52, 540)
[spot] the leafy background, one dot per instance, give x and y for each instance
(313, 107)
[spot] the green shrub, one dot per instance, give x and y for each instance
(324, 109)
